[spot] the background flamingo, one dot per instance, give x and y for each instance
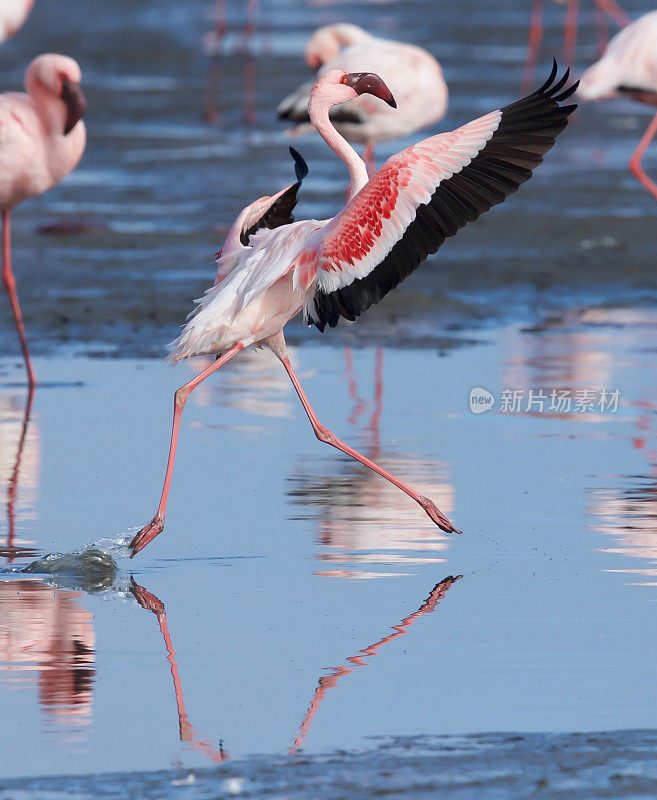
(43, 139)
(604, 9)
(13, 14)
(412, 74)
(629, 67)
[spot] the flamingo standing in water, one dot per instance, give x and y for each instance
(629, 67)
(271, 268)
(43, 139)
(13, 14)
(604, 9)
(412, 74)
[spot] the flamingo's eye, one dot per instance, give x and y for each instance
(344, 79)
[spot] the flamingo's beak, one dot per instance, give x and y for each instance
(369, 83)
(75, 102)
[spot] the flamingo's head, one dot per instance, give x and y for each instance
(327, 42)
(58, 76)
(337, 87)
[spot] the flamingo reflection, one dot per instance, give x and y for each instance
(19, 458)
(188, 735)
(326, 682)
(629, 514)
(570, 353)
(44, 630)
(358, 514)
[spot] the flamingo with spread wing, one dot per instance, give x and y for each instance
(272, 268)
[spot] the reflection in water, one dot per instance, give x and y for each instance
(359, 513)
(256, 384)
(629, 514)
(188, 735)
(328, 681)
(562, 355)
(43, 630)
(19, 467)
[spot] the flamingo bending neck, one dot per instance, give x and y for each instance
(318, 109)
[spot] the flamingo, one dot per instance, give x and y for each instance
(629, 67)
(13, 14)
(413, 75)
(43, 139)
(604, 9)
(272, 268)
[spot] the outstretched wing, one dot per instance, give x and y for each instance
(279, 212)
(423, 195)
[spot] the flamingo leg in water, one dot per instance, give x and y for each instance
(325, 435)
(614, 11)
(156, 525)
(635, 162)
(570, 32)
(12, 489)
(535, 36)
(9, 282)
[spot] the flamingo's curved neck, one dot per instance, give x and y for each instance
(319, 116)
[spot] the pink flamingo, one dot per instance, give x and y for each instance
(339, 267)
(43, 139)
(604, 8)
(13, 14)
(413, 75)
(629, 67)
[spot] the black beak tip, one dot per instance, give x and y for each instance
(391, 102)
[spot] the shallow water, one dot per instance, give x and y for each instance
(296, 600)
(296, 605)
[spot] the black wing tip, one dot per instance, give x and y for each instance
(300, 164)
(552, 89)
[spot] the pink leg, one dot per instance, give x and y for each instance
(570, 32)
(325, 435)
(211, 112)
(156, 525)
(535, 36)
(9, 283)
(614, 11)
(250, 27)
(249, 90)
(602, 27)
(635, 162)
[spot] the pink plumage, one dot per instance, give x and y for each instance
(336, 268)
(13, 14)
(43, 138)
